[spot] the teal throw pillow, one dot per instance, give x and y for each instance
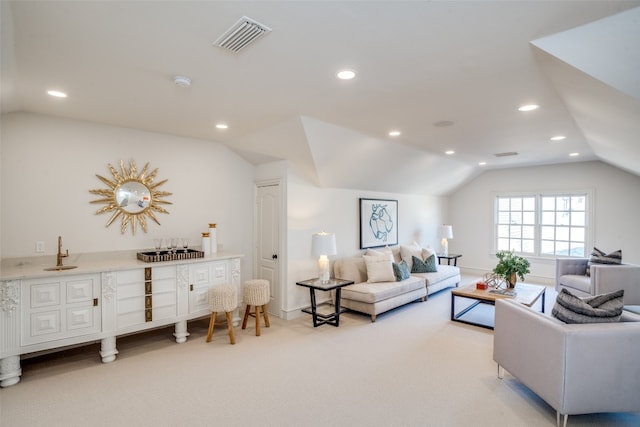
(401, 270)
(427, 266)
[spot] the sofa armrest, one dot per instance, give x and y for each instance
(531, 347)
(609, 278)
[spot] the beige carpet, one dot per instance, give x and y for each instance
(413, 367)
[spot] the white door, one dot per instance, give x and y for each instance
(267, 241)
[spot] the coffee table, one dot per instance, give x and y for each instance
(525, 294)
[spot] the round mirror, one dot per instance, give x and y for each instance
(133, 197)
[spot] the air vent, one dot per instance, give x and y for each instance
(241, 34)
(506, 154)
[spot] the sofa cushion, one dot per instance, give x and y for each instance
(427, 266)
(599, 257)
(401, 270)
(352, 268)
(374, 292)
(444, 272)
(379, 268)
(576, 281)
(597, 309)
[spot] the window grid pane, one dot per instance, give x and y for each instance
(561, 230)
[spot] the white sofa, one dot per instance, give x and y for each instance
(376, 298)
(603, 278)
(575, 368)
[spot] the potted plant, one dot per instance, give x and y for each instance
(510, 266)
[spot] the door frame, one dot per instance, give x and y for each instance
(282, 247)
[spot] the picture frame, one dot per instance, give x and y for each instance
(378, 223)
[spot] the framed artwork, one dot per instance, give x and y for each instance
(378, 223)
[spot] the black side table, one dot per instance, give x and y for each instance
(449, 257)
(316, 284)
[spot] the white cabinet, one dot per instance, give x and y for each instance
(97, 304)
(60, 307)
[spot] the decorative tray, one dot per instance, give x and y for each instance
(158, 256)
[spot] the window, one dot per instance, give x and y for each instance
(542, 224)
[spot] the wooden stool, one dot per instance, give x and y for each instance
(256, 293)
(222, 298)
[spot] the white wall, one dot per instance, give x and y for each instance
(615, 208)
(312, 209)
(50, 164)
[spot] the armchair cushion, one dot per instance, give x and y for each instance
(597, 309)
(599, 257)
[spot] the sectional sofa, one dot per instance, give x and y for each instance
(375, 295)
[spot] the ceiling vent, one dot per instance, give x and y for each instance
(241, 34)
(506, 154)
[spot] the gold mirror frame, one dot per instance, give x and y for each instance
(132, 196)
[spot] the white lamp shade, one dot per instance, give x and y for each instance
(446, 232)
(323, 244)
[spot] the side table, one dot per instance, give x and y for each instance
(316, 284)
(449, 257)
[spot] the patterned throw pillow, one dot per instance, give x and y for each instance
(605, 308)
(428, 266)
(599, 257)
(401, 270)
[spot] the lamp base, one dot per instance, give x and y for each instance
(444, 246)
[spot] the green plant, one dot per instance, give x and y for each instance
(510, 264)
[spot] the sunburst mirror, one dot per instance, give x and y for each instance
(131, 196)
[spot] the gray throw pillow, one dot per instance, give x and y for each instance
(401, 270)
(602, 308)
(427, 266)
(599, 257)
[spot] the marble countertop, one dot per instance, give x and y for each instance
(87, 263)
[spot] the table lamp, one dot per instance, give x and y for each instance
(322, 245)
(446, 232)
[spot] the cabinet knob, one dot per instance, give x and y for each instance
(274, 256)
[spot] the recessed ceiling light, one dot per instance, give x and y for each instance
(57, 93)
(346, 74)
(449, 152)
(574, 154)
(529, 107)
(558, 138)
(222, 126)
(482, 163)
(182, 81)
(394, 133)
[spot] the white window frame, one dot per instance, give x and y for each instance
(538, 226)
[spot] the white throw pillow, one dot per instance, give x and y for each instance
(427, 252)
(413, 250)
(379, 268)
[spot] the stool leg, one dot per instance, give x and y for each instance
(246, 316)
(257, 320)
(212, 323)
(266, 316)
(232, 337)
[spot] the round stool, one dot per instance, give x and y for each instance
(222, 298)
(256, 293)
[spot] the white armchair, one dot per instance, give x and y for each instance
(575, 368)
(603, 278)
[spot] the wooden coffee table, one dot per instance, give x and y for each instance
(525, 294)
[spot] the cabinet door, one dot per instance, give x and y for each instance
(59, 307)
(200, 279)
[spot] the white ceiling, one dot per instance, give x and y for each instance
(418, 63)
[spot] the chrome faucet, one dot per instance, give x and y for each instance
(60, 254)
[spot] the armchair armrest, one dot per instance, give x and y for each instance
(609, 278)
(531, 347)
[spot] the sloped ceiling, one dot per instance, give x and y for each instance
(419, 63)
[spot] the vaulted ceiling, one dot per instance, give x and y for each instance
(449, 75)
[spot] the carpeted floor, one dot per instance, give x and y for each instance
(412, 367)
